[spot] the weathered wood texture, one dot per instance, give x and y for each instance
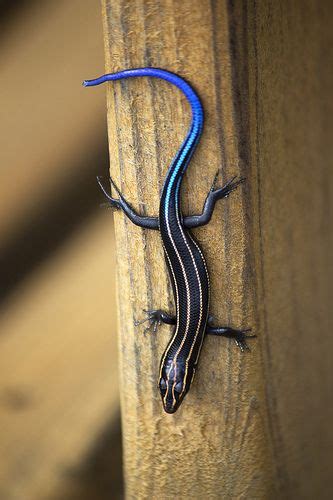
(254, 425)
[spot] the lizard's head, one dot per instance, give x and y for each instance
(175, 380)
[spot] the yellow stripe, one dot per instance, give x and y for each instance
(189, 308)
(174, 362)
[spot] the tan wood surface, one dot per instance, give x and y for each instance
(44, 53)
(59, 401)
(58, 358)
(254, 425)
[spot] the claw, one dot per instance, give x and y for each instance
(231, 185)
(137, 323)
(153, 318)
(241, 340)
(147, 329)
(114, 185)
(113, 202)
(214, 181)
(230, 181)
(240, 345)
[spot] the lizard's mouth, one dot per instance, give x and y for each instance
(170, 405)
(170, 408)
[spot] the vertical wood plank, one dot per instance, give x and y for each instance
(291, 130)
(240, 431)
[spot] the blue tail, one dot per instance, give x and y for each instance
(192, 97)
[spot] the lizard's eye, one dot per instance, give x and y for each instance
(179, 387)
(163, 385)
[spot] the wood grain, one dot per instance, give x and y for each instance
(253, 424)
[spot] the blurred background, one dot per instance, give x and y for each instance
(59, 403)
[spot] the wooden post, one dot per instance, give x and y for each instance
(254, 424)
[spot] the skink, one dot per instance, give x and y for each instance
(184, 258)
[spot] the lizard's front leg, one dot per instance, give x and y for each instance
(122, 204)
(189, 221)
(212, 197)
